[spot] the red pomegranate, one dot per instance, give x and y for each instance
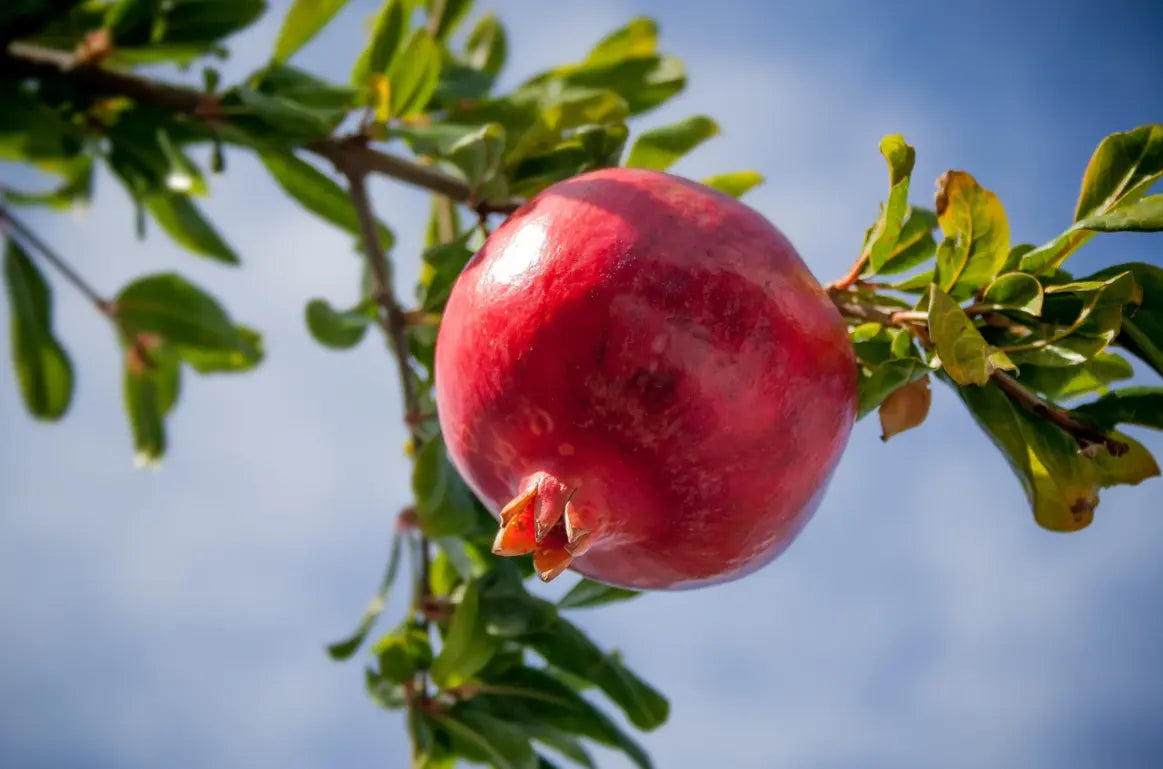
(642, 379)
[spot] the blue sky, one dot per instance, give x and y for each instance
(178, 616)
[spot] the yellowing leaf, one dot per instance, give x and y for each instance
(977, 234)
(965, 354)
(905, 408)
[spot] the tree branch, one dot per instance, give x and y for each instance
(27, 60)
(1084, 434)
(392, 319)
(25, 233)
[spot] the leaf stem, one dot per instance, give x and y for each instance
(351, 152)
(25, 233)
(848, 304)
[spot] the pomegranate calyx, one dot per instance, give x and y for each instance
(542, 520)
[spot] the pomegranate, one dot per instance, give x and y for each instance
(642, 380)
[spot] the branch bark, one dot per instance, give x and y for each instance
(1084, 434)
(346, 152)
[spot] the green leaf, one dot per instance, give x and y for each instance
(1131, 406)
(589, 147)
(1145, 215)
(468, 647)
(444, 504)
(484, 738)
(392, 23)
(213, 361)
(542, 701)
(179, 312)
(445, 16)
(302, 23)
(151, 386)
(587, 593)
(643, 82)
(185, 224)
(736, 183)
(965, 355)
(403, 652)
(341, 650)
(442, 264)
(183, 176)
(1061, 382)
(509, 610)
(1142, 327)
(1122, 169)
(339, 329)
(487, 47)
(43, 369)
(914, 243)
(1014, 291)
(977, 235)
(638, 38)
(1061, 482)
(286, 117)
(882, 240)
(565, 646)
(413, 75)
(77, 187)
(316, 192)
(479, 156)
(660, 148)
(886, 379)
(325, 100)
(561, 742)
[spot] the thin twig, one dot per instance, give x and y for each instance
(851, 276)
(393, 319)
(25, 233)
(36, 61)
(1086, 435)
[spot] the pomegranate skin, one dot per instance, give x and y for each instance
(660, 352)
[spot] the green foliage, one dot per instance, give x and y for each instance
(42, 366)
(986, 308)
(486, 671)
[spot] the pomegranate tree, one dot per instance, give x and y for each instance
(635, 373)
(642, 378)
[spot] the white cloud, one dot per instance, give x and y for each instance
(921, 619)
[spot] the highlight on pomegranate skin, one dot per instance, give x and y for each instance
(643, 381)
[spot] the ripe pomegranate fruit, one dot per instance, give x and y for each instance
(641, 378)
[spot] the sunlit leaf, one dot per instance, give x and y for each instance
(965, 355)
(1145, 215)
(413, 74)
(735, 183)
(914, 243)
(391, 28)
(487, 46)
(1122, 169)
(302, 22)
(1014, 291)
(977, 235)
(887, 228)
(660, 148)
